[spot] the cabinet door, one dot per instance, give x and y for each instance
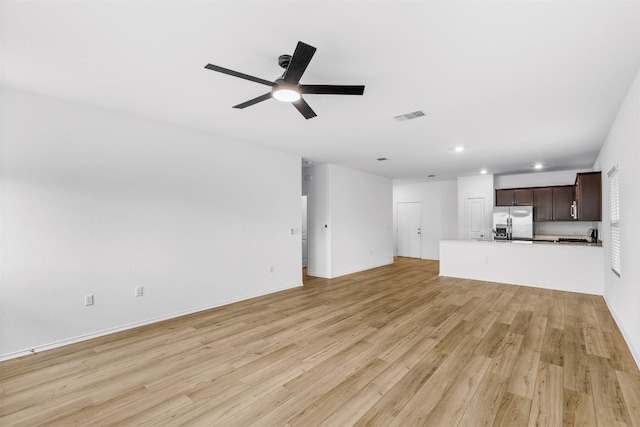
(504, 198)
(562, 201)
(589, 196)
(543, 204)
(523, 196)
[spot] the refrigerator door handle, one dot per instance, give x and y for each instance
(511, 229)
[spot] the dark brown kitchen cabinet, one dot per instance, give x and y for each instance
(514, 197)
(562, 202)
(552, 203)
(589, 196)
(504, 197)
(543, 204)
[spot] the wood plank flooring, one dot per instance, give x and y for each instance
(393, 346)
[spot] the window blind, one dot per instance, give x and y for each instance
(614, 206)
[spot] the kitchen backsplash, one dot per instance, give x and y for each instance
(568, 228)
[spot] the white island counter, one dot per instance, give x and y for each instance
(551, 266)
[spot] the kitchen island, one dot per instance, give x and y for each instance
(574, 268)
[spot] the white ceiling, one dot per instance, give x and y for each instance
(513, 82)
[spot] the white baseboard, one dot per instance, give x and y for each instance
(361, 269)
(350, 271)
(636, 356)
(97, 334)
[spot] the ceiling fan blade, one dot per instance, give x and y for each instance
(299, 61)
(237, 74)
(304, 108)
(332, 89)
(253, 101)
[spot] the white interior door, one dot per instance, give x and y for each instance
(475, 218)
(409, 217)
(305, 245)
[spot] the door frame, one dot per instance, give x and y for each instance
(305, 198)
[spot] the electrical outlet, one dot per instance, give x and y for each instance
(271, 269)
(88, 300)
(139, 291)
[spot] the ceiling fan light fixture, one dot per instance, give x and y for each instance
(287, 88)
(286, 93)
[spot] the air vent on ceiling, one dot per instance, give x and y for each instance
(409, 116)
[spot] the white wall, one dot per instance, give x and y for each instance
(362, 221)
(439, 213)
(538, 179)
(475, 187)
(350, 221)
(94, 202)
(622, 148)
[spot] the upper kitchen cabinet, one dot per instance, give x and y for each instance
(563, 203)
(553, 203)
(589, 196)
(514, 197)
(504, 198)
(543, 204)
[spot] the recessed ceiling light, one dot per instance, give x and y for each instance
(382, 159)
(483, 171)
(537, 166)
(459, 149)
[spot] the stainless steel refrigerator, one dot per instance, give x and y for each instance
(513, 223)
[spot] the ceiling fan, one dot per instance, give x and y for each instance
(287, 88)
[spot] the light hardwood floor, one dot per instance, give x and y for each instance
(396, 346)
